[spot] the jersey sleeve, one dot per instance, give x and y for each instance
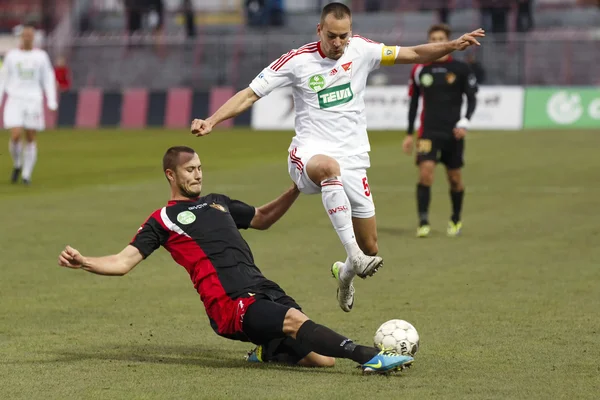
(377, 54)
(241, 212)
(150, 236)
(280, 73)
(414, 92)
(413, 81)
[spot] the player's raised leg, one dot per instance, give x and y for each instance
(365, 230)
(361, 199)
(29, 155)
(457, 193)
(359, 194)
(15, 148)
(325, 172)
(426, 173)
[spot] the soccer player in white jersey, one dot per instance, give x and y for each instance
(25, 73)
(329, 153)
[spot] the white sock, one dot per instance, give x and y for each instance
(15, 149)
(337, 205)
(29, 159)
(347, 273)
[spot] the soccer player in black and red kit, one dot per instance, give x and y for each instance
(202, 234)
(442, 85)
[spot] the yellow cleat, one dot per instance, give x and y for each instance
(454, 229)
(423, 231)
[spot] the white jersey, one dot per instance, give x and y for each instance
(26, 75)
(328, 94)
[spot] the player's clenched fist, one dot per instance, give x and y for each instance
(201, 127)
(70, 258)
(469, 39)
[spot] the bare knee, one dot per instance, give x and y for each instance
(30, 136)
(293, 321)
(317, 361)
(426, 173)
(322, 167)
(15, 134)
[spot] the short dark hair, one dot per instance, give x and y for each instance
(339, 11)
(440, 28)
(171, 157)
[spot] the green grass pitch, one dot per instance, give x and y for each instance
(510, 310)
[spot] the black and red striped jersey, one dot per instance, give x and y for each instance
(202, 235)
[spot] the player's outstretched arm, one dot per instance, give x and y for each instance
(114, 265)
(49, 83)
(4, 74)
(430, 52)
(407, 143)
(236, 105)
(267, 215)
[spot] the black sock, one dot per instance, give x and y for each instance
(326, 342)
(423, 199)
(457, 200)
(286, 351)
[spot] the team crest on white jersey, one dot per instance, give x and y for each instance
(316, 82)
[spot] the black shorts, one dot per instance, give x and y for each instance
(446, 150)
(263, 324)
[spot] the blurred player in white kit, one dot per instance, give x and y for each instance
(26, 75)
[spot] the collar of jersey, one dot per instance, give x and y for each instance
(171, 202)
(319, 50)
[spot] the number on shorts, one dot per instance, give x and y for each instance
(366, 187)
(424, 146)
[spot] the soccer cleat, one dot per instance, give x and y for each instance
(345, 291)
(386, 361)
(27, 182)
(423, 231)
(255, 355)
(454, 229)
(365, 265)
(14, 177)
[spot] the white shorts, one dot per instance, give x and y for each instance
(354, 179)
(27, 114)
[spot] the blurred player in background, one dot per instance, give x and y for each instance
(441, 84)
(62, 73)
(202, 234)
(25, 76)
(329, 154)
